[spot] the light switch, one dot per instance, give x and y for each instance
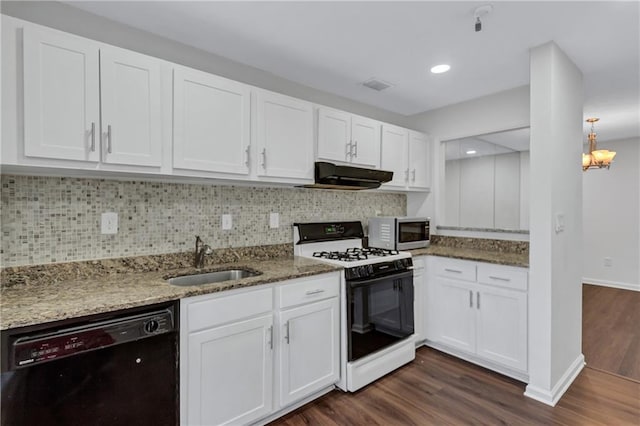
(109, 223)
(274, 220)
(227, 222)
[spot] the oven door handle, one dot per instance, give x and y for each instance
(372, 281)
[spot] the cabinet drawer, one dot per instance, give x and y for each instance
(503, 276)
(455, 269)
(308, 289)
(212, 311)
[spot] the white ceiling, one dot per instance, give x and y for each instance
(334, 46)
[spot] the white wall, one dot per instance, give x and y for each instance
(555, 256)
(611, 218)
(70, 19)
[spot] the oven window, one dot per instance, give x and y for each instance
(380, 313)
(409, 232)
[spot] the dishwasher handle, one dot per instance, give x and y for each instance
(33, 349)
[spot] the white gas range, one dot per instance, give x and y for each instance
(377, 317)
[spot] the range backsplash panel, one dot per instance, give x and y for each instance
(53, 219)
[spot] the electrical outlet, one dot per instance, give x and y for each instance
(608, 261)
(227, 222)
(274, 220)
(109, 223)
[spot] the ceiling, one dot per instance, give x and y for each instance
(335, 46)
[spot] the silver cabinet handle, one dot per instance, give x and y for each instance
(286, 333)
(499, 278)
(453, 270)
(406, 175)
(478, 299)
(93, 137)
(413, 175)
(264, 158)
(311, 292)
(271, 337)
(356, 149)
(248, 151)
(470, 299)
(349, 147)
(109, 139)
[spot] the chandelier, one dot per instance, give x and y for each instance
(596, 158)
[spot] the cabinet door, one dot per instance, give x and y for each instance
(61, 96)
(365, 137)
(456, 318)
(310, 349)
(419, 164)
(502, 326)
(393, 155)
(334, 135)
(284, 136)
(230, 373)
(130, 97)
(210, 123)
(419, 287)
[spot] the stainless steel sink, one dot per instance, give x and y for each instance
(212, 277)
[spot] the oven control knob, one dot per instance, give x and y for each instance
(151, 326)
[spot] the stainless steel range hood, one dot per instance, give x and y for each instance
(332, 176)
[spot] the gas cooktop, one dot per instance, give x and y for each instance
(354, 254)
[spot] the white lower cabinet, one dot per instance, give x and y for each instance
(309, 356)
(479, 311)
(419, 287)
(246, 354)
(230, 375)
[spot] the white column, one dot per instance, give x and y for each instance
(555, 290)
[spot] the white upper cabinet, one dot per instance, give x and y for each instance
(61, 96)
(284, 137)
(88, 102)
(394, 154)
(211, 123)
(419, 161)
(406, 154)
(365, 140)
(131, 114)
(348, 138)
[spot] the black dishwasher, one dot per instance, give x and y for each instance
(118, 368)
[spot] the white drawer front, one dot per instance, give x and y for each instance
(455, 269)
(310, 289)
(225, 309)
(503, 276)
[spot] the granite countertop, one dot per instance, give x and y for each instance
(501, 252)
(489, 256)
(43, 300)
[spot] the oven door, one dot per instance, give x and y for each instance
(380, 312)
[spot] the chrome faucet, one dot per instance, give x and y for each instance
(201, 250)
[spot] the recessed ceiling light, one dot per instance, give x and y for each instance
(439, 69)
(471, 152)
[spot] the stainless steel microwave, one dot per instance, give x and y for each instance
(399, 233)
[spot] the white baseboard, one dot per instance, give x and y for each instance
(614, 284)
(551, 397)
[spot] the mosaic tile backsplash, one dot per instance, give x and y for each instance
(53, 219)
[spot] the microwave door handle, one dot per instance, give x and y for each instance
(372, 281)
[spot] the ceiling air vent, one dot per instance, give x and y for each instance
(376, 84)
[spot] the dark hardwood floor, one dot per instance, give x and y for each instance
(611, 330)
(437, 389)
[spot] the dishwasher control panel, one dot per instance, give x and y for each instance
(42, 347)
